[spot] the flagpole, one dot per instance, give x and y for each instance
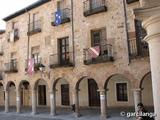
(72, 22)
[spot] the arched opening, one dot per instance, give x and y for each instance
(62, 95)
(89, 97)
(11, 88)
(42, 96)
(119, 93)
(2, 96)
(25, 94)
(147, 95)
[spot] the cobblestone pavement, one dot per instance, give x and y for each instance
(64, 114)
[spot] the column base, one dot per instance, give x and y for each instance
(103, 117)
(53, 114)
(6, 111)
(77, 115)
(33, 113)
(18, 112)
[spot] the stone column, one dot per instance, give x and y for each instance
(76, 103)
(34, 102)
(53, 103)
(18, 101)
(152, 25)
(6, 101)
(151, 22)
(137, 97)
(103, 104)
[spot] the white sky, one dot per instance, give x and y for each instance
(8, 7)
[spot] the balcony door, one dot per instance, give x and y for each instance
(142, 46)
(93, 4)
(98, 38)
(60, 5)
(63, 51)
(36, 57)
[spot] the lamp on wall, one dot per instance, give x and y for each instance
(42, 68)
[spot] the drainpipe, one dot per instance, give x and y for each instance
(73, 36)
(126, 29)
(28, 41)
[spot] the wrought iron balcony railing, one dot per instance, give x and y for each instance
(106, 55)
(64, 60)
(11, 67)
(138, 49)
(94, 6)
(37, 64)
(34, 27)
(65, 16)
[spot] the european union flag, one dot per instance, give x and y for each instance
(58, 17)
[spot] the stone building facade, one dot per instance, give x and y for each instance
(65, 73)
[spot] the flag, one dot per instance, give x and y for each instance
(94, 51)
(30, 66)
(58, 17)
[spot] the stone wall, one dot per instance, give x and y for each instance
(114, 22)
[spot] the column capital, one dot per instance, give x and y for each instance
(101, 90)
(137, 89)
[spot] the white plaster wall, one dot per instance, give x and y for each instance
(1, 96)
(83, 93)
(12, 96)
(147, 95)
(111, 93)
(58, 92)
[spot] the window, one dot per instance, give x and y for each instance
(13, 59)
(142, 46)
(98, 37)
(36, 58)
(14, 25)
(35, 17)
(63, 51)
(35, 54)
(121, 89)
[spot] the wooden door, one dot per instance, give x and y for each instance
(65, 94)
(94, 97)
(42, 95)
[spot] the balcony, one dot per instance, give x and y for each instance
(94, 7)
(56, 60)
(65, 16)
(106, 55)
(11, 67)
(138, 50)
(34, 27)
(37, 64)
